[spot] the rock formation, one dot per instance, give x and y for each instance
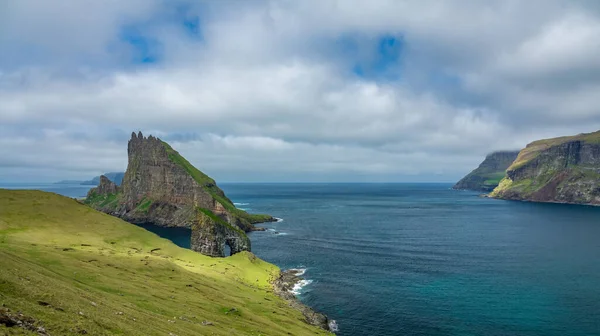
(561, 170)
(489, 173)
(162, 188)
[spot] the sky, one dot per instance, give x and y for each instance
(292, 91)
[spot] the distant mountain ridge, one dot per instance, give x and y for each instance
(116, 177)
(490, 172)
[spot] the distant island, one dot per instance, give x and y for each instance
(116, 177)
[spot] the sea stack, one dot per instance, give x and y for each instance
(559, 170)
(162, 188)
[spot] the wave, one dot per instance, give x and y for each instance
(333, 326)
(278, 220)
(241, 203)
(297, 290)
(275, 232)
(298, 271)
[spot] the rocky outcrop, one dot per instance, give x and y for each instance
(106, 186)
(489, 173)
(284, 285)
(560, 170)
(162, 188)
(210, 234)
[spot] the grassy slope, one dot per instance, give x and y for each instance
(211, 187)
(57, 251)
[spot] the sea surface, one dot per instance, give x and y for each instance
(422, 259)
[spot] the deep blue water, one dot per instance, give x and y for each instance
(421, 259)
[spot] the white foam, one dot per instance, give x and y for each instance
(241, 203)
(278, 220)
(333, 326)
(298, 271)
(299, 285)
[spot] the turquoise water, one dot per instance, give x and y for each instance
(422, 259)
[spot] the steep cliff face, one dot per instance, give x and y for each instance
(163, 188)
(489, 173)
(563, 170)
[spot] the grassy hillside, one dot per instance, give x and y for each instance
(73, 270)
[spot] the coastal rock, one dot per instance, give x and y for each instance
(559, 170)
(489, 173)
(210, 234)
(161, 187)
(106, 186)
(284, 285)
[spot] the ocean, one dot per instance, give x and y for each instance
(423, 259)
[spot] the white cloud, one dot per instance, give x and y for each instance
(268, 88)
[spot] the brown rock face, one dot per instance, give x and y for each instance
(107, 186)
(560, 170)
(162, 188)
(152, 177)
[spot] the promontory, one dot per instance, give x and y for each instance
(558, 170)
(162, 188)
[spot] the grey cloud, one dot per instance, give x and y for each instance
(265, 89)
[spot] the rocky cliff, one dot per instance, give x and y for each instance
(162, 188)
(489, 173)
(561, 170)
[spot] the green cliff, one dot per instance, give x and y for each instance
(489, 173)
(162, 188)
(67, 269)
(560, 170)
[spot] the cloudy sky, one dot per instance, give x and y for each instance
(307, 90)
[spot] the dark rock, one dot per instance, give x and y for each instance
(283, 287)
(210, 235)
(106, 186)
(489, 173)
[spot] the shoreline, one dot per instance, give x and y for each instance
(284, 287)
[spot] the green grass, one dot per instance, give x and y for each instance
(74, 269)
(197, 175)
(102, 201)
(493, 179)
(211, 187)
(144, 205)
(218, 220)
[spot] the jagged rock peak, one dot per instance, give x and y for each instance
(106, 186)
(161, 187)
